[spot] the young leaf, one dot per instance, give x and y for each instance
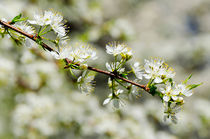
(187, 79)
(124, 75)
(192, 86)
(16, 18)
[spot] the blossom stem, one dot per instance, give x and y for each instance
(45, 32)
(40, 33)
(35, 38)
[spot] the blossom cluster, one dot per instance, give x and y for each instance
(160, 80)
(159, 75)
(52, 18)
(78, 53)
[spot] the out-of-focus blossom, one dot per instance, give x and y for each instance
(116, 49)
(85, 82)
(138, 70)
(116, 98)
(170, 111)
(35, 113)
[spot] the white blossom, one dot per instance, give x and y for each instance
(85, 82)
(28, 29)
(35, 111)
(134, 91)
(38, 20)
(116, 49)
(116, 98)
(114, 66)
(182, 88)
(157, 70)
(81, 53)
(171, 110)
(59, 28)
(169, 92)
(138, 70)
(54, 19)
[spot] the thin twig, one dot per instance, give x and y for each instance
(35, 38)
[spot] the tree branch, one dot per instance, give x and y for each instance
(34, 38)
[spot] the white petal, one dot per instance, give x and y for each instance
(106, 101)
(158, 80)
(79, 79)
(109, 49)
(166, 98)
(147, 69)
(175, 92)
(187, 93)
(139, 75)
(119, 91)
(136, 64)
(147, 76)
(108, 67)
(32, 22)
(174, 97)
(162, 90)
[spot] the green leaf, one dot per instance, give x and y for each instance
(72, 73)
(124, 75)
(187, 79)
(21, 19)
(16, 18)
(192, 86)
(152, 88)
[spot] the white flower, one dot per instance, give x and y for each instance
(34, 111)
(38, 19)
(169, 92)
(81, 53)
(134, 92)
(156, 69)
(48, 17)
(116, 98)
(182, 88)
(171, 110)
(51, 18)
(114, 67)
(152, 69)
(138, 70)
(116, 49)
(59, 28)
(28, 29)
(65, 52)
(85, 82)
